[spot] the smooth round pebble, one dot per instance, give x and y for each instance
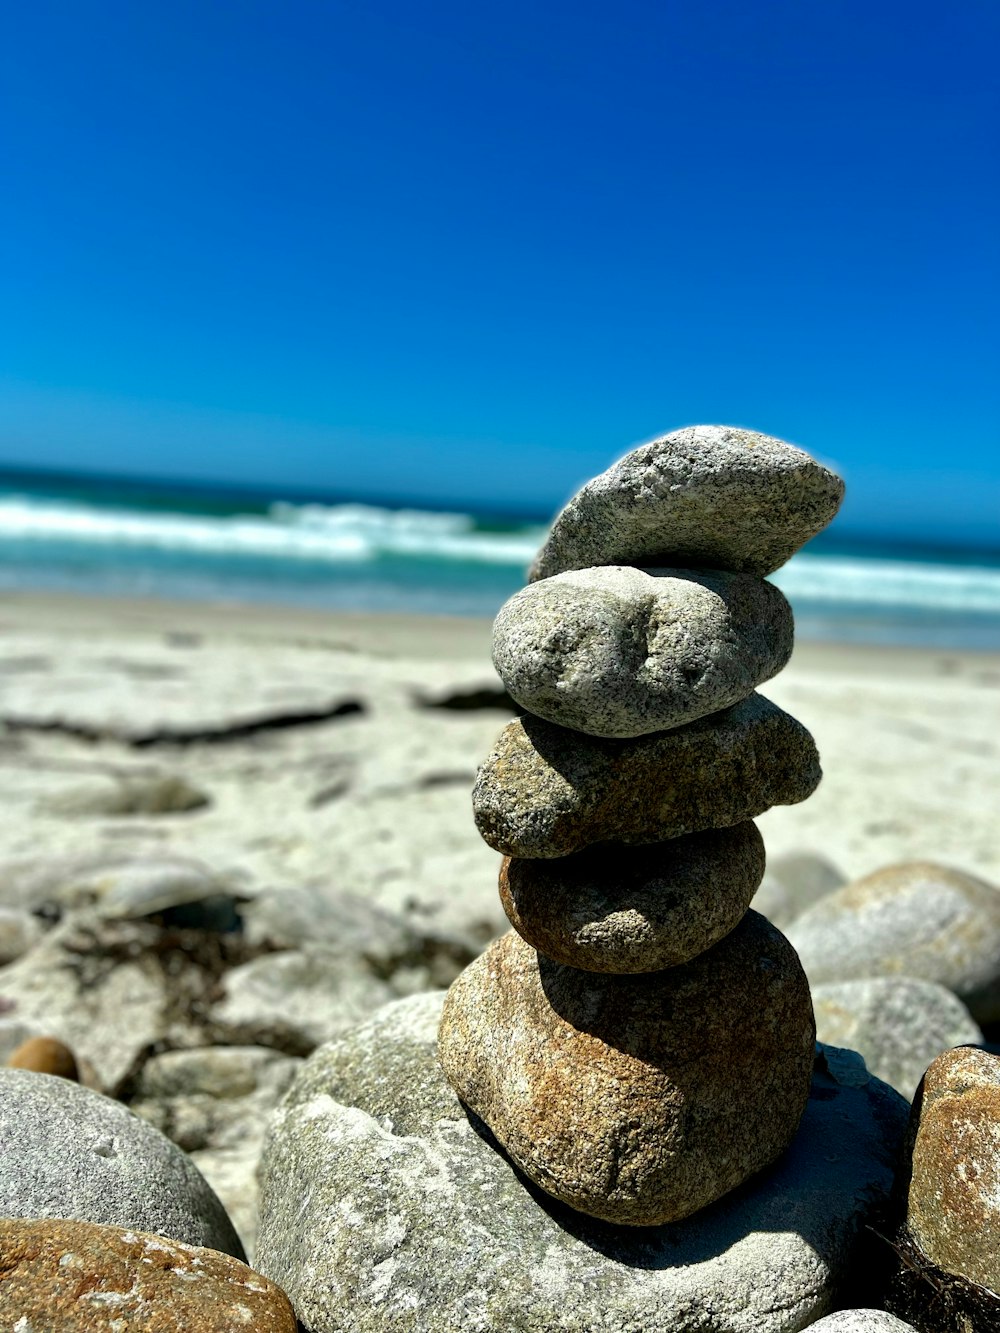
(613, 908)
(19, 930)
(617, 651)
(69, 1152)
(792, 882)
(45, 1055)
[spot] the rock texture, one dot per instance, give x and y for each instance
(69, 1152)
(548, 792)
(635, 909)
(299, 998)
(616, 651)
(953, 1201)
(712, 497)
(898, 1024)
(861, 1321)
(915, 919)
(79, 1277)
(635, 1099)
(385, 1208)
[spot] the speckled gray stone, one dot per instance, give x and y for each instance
(899, 1024)
(68, 1152)
(617, 651)
(546, 791)
(636, 1099)
(861, 1321)
(913, 919)
(385, 1210)
(612, 908)
(712, 497)
(792, 882)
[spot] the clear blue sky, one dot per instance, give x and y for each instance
(474, 251)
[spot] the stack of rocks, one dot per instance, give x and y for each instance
(641, 1042)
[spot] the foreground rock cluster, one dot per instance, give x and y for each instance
(641, 1043)
(145, 958)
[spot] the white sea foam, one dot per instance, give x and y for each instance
(337, 533)
(365, 538)
(876, 582)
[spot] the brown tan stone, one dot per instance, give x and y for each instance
(80, 1277)
(613, 908)
(45, 1055)
(953, 1205)
(546, 791)
(636, 1099)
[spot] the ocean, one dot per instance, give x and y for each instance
(114, 537)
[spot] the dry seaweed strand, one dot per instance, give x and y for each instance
(933, 1300)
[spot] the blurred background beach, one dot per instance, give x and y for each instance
(313, 315)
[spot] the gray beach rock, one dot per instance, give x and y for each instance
(617, 651)
(385, 1208)
(546, 791)
(705, 497)
(585, 1077)
(612, 908)
(914, 919)
(212, 1096)
(391, 945)
(145, 886)
(861, 1321)
(19, 930)
(36, 881)
(297, 999)
(72, 1153)
(899, 1024)
(792, 882)
(223, 1073)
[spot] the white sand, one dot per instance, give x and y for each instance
(377, 802)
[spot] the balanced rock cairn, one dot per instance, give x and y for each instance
(641, 1042)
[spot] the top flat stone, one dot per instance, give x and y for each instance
(712, 497)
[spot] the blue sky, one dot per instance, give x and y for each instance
(473, 252)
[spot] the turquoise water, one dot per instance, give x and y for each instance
(103, 536)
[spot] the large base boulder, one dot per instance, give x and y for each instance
(385, 1206)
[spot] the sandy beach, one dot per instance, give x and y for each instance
(340, 749)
